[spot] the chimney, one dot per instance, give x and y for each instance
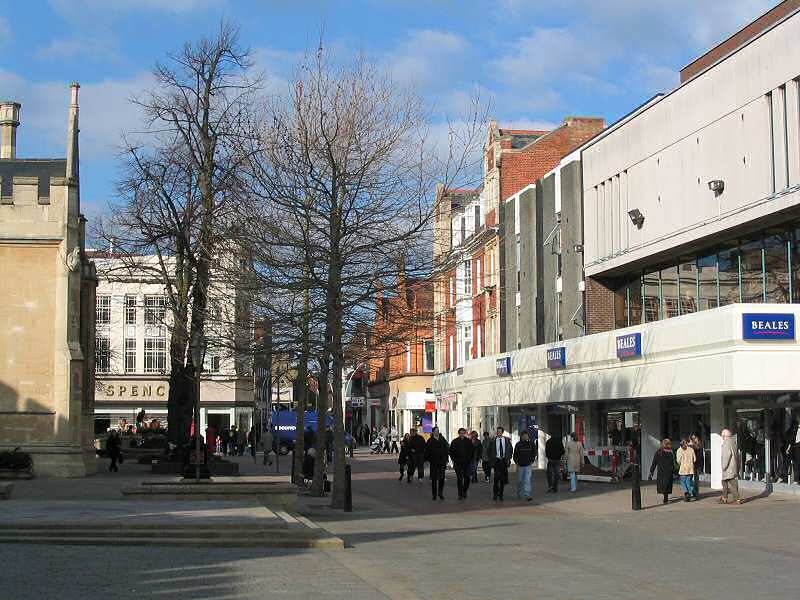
(9, 120)
(72, 134)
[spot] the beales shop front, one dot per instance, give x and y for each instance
(119, 401)
(731, 367)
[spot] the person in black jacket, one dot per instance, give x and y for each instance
(416, 456)
(436, 455)
(664, 460)
(499, 453)
(114, 449)
(554, 451)
(463, 454)
(477, 449)
(402, 460)
(525, 455)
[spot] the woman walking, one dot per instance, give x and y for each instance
(403, 458)
(575, 454)
(664, 460)
(477, 454)
(699, 463)
(686, 459)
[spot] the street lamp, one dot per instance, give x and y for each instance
(198, 353)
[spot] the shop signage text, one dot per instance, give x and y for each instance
(629, 346)
(768, 326)
(357, 401)
(136, 390)
(557, 358)
(503, 366)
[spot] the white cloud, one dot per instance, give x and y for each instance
(97, 48)
(428, 59)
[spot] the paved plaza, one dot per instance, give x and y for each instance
(402, 545)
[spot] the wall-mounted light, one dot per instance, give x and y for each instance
(637, 218)
(717, 186)
(577, 248)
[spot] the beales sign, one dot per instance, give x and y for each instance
(768, 326)
(629, 346)
(557, 358)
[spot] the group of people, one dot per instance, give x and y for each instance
(494, 454)
(231, 440)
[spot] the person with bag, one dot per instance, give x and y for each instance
(575, 457)
(686, 459)
(664, 461)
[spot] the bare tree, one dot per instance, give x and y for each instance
(346, 167)
(181, 177)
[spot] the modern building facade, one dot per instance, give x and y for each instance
(46, 306)
(133, 324)
(691, 207)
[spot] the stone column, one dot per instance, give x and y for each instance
(650, 422)
(544, 434)
(717, 425)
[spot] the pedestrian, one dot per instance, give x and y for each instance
(384, 434)
(393, 435)
(462, 453)
(329, 444)
(211, 436)
(477, 450)
(664, 460)
(224, 440)
(575, 456)
(486, 457)
(524, 455)
(686, 459)
(501, 453)
(269, 443)
(241, 441)
(251, 441)
(699, 463)
(416, 456)
(402, 460)
(232, 440)
(730, 469)
(436, 451)
(114, 449)
(554, 451)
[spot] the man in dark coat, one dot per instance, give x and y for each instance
(554, 451)
(114, 449)
(416, 456)
(500, 453)
(436, 455)
(462, 452)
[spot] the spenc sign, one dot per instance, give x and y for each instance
(768, 326)
(557, 358)
(629, 346)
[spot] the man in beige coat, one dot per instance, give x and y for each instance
(730, 469)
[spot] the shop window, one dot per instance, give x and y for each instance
(776, 268)
(130, 310)
(687, 286)
(752, 270)
(669, 292)
(621, 306)
(728, 271)
(635, 301)
(102, 354)
(707, 282)
(102, 315)
(651, 297)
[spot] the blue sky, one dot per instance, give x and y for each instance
(537, 60)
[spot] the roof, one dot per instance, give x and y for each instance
(522, 137)
(43, 168)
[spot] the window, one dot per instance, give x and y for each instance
(728, 273)
(752, 271)
(154, 310)
(130, 310)
(102, 354)
(477, 217)
(452, 291)
(468, 277)
(467, 343)
(707, 282)
(155, 355)
(478, 272)
(669, 292)
(212, 363)
(130, 355)
(463, 229)
(651, 295)
(102, 310)
(429, 355)
(776, 267)
(687, 286)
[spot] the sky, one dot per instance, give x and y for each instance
(534, 61)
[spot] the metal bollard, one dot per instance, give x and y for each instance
(348, 489)
(636, 489)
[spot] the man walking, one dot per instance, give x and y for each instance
(462, 452)
(416, 456)
(486, 457)
(436, 455)
(501, 453)
(730, 469)
(524, 455)
(554, 451)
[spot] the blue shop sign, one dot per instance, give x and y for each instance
(768, 326)
(557, 358)
(503, 366)
(629, 346)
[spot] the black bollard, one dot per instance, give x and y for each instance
(292, 466)
(636, 489)
(348, 489)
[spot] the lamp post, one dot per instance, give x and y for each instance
(198, 352)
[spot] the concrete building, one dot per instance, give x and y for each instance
(46, 306)
(691, 217)
(133, 324)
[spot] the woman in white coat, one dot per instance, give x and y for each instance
(575, 454)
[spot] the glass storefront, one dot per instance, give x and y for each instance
(757, 269)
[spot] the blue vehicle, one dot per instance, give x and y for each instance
(284, 423)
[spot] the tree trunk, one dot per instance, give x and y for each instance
(302, 398)
(322, 413)
(338, 495)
